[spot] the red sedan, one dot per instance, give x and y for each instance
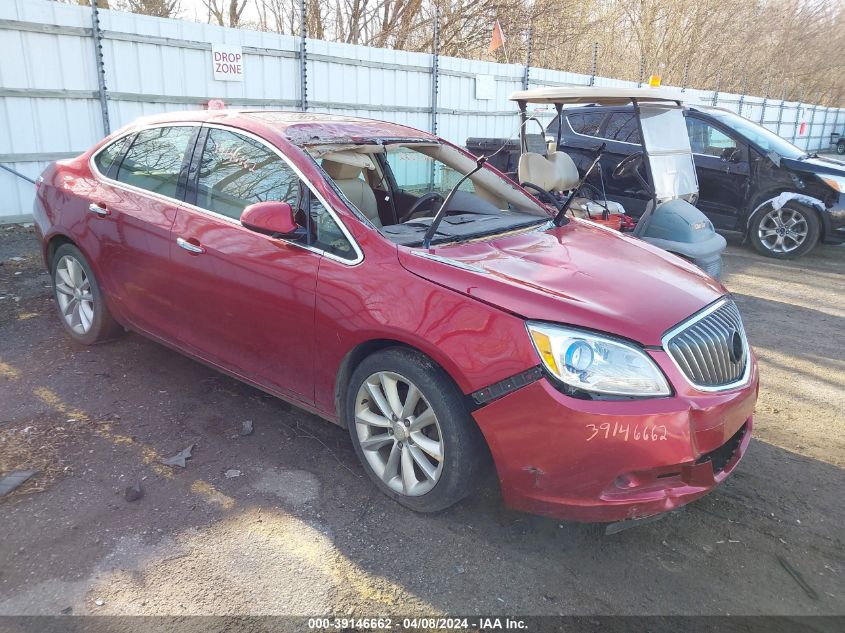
(381, 278)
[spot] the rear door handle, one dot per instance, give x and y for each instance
(188, 246)
(99, 209)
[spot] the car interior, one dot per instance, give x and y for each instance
(399, 188)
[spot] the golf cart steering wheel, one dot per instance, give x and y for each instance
(628, 167)
(423, 201)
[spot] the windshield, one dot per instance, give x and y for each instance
(757, 134)
(399, 187)
(667, 146)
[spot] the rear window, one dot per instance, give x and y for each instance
(155, 159)
(587, 124)
(622, 126)
(105, 159)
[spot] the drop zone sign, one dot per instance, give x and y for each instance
(228, 62)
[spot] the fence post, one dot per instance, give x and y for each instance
(526, 74)
(716, 91)
(810, 127)
(595, 62)
(303, 58)
(101, 68)
(797, 115)
(742, 96)
(684, 80)
(435, 70)
(824, 127)
(780, 110)
(642, 72)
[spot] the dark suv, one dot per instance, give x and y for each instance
(750, 180)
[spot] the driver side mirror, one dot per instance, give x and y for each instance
(270, 217)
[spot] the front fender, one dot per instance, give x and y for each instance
(805, 201)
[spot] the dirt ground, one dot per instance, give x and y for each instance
(301, 531)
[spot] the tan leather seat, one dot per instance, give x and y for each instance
(350, 181)
(559, 173)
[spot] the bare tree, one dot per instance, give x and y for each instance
(157, 8)
(226, 12)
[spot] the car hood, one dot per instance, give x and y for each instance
(579, 274)
(816, 165)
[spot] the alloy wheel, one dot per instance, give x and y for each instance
(399, 433)
(73, 292)
(783, 230)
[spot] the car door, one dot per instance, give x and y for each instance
(245, 300)
(132, 212)
(722, 166)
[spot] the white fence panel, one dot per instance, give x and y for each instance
(49, 101)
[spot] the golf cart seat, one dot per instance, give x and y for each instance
(559, 173)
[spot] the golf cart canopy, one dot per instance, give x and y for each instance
(592, 94)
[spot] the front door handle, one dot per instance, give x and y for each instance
(99, 209)
(196, 249)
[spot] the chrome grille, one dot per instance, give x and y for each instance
(711, 348)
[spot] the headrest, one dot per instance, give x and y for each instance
(341, 171)
(567, 172)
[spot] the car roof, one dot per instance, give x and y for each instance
(300, 128)
(593, 94)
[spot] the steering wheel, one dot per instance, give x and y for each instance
(423, 201)
(628, 167)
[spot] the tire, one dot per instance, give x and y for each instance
(772, 234)
(79, 300)
(840, 147)
(452, 433)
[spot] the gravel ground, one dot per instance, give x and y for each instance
(301, 531)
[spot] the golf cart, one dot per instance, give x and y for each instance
(664, 170)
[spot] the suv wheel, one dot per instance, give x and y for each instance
(79, 300)
(412, 431)
(784, 233)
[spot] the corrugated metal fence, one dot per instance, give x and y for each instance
(50, 95)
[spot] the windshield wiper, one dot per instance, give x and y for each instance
(561, 214)
(441, 212)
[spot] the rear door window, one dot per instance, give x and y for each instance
(107, 159)
(623, 127)
(587, 124)
(236, 171)
(155, 159)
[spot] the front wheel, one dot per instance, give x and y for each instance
(412, 432)
(840, 147)
(79, 298)
(784, 233)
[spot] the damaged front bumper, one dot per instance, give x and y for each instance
(833, 221)
(603, 461)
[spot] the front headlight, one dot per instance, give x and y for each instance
(837, 182)
(598, 364)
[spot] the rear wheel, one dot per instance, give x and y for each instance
(840, 147)
(79, 299)
(784, 233)
(412, 431)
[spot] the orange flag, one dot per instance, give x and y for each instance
(498, 37)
